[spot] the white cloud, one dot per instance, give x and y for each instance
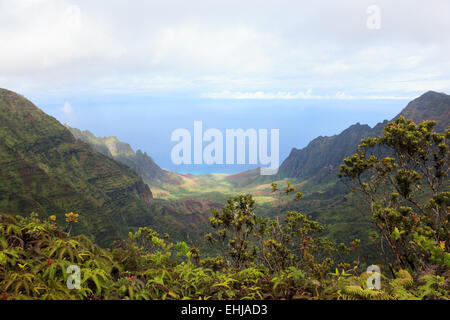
(248, 48)
(333, 68)
(68, 114)
(260, 95)
(196, 48)
(51, 36)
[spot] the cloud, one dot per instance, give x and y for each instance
(260, 95)
(68, 114)
(243, 47)
(44, 36)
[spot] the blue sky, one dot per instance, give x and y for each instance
(110, 65)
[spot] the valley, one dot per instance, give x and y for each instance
(244, 151)
(181, 204)
(50, 170)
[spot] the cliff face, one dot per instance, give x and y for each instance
(44, 169)
(122, 152)
(326, 153)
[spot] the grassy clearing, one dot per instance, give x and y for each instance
(214, 187)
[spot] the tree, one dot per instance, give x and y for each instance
(235, 222)
(250, 239)
(404, 177)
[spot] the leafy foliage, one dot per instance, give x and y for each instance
(406, 183)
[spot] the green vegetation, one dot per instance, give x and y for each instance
(391, 208)
(138, 161)
(406, 184)
(261, 258)
(45, 170)
(183, 201)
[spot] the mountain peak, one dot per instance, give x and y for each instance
(6, 92)
(432, 93)
(325, 151)
(429, 106)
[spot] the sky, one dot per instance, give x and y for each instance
(93, 64)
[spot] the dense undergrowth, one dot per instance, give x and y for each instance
(35, 260)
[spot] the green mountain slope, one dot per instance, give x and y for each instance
(316, 167)
(326, 153)
(44, 169)
(184, 205)
(122, 152)
(323, 155)
(429, 106)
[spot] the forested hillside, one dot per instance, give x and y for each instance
(122, 152)
(44, 169)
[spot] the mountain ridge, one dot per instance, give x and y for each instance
(44, 169)
(323, 152)
(431, 105)
(138, 161)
